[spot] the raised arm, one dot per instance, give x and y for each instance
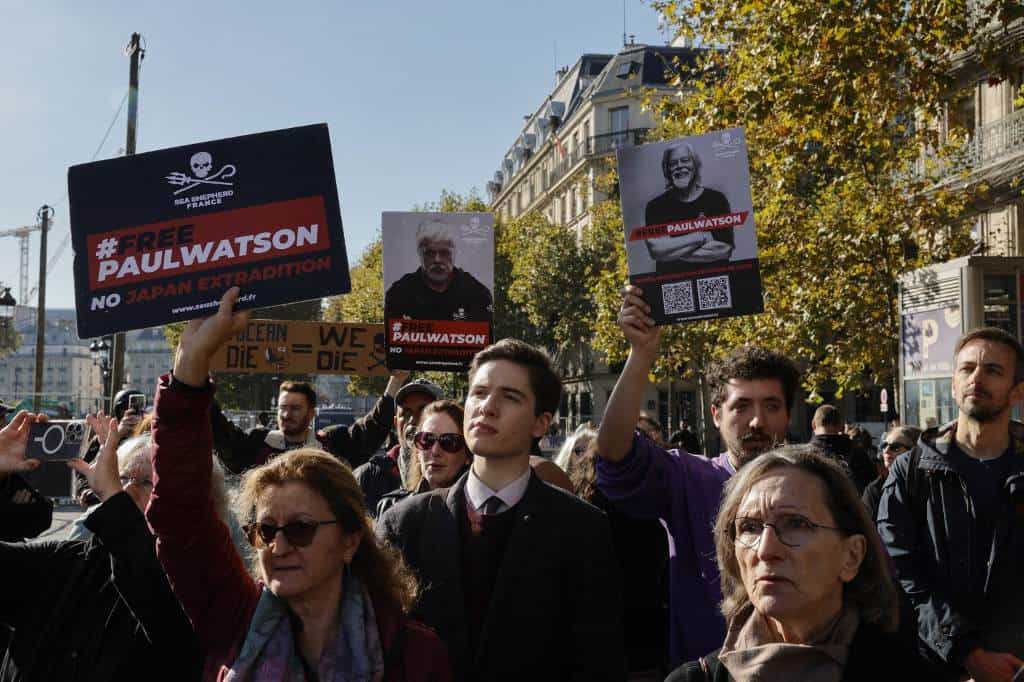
(615, 436)
(358, 442)
(193, 543)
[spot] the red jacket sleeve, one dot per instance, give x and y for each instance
(193, 544)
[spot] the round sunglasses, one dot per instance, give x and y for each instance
(298, 533)
(449, 442)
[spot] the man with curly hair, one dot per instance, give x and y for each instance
(752, 394)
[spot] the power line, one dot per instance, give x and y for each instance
(67, 238)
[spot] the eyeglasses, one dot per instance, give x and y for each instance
(792, 530)
(893, 445)
(449, 442)
(298, 533)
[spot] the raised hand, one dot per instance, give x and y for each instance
(14, 443)
(399, 377)
(102, 474)
(637, 325)
(202, 338)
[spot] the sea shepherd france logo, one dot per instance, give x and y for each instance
(201, 165)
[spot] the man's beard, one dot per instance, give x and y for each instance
(984, 413)
(686, 187)
(745, 455)
(405, 452)
(294, 431)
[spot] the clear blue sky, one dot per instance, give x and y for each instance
(419, 96)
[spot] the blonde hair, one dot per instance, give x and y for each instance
(377, 565)
(871, 590)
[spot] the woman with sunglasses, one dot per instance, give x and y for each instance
(441, 454)
(899, 440)
(330, 601)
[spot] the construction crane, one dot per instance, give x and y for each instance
(22, 233)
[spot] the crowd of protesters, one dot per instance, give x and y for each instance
(462, 553)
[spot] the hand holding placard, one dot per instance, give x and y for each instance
(637, 325)
(202, 338)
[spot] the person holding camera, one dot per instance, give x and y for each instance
(98, 610)
(129, 409)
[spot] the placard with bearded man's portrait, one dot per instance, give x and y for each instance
(438, 288)
(689, 226)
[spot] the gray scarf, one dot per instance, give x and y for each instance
(754, 653)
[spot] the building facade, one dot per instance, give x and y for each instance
(69, 375)
(553, 166)
(941, 302)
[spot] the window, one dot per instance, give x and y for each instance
(1001, 303)
(619, 119)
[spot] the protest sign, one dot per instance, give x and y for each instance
(159, 237)
(301, 347)
(689, 227)
(439, 283)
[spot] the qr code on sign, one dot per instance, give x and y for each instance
(677, 297)
(714, 293)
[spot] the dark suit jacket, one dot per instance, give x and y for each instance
(556, 608)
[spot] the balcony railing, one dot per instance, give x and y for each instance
(609, 142)
(989, 143)
(597, 145)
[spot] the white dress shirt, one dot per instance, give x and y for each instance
(478, 493)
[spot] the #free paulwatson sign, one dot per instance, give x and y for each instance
(158, 237)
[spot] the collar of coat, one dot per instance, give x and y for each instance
(936, 442)
(275, 440)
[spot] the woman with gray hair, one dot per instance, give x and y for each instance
(806, 586)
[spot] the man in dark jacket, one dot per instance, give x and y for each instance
(438, 290)
(952, 517)
(99, 610)
(385, 473)
(830, 439)
(296, 409)
(518, 577)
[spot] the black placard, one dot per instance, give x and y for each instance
(159, 237)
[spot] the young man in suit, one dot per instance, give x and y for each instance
(517, 576)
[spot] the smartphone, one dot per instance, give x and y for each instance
(57, 440)
(137, 402)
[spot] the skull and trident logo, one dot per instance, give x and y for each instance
(201, 164)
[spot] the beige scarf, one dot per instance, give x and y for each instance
(754, 653)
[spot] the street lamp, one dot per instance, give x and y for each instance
(7, 304)
(99, 350)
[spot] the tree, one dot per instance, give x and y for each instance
(837, 101)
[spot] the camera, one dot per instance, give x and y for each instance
(57, 440)
(137, 402)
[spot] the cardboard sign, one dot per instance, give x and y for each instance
(439, 284)
(300, 347)
(159, 237)
(689, 227)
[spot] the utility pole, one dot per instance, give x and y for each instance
(44, 214)
(135, 52)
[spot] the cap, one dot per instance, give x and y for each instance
(419, 386)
